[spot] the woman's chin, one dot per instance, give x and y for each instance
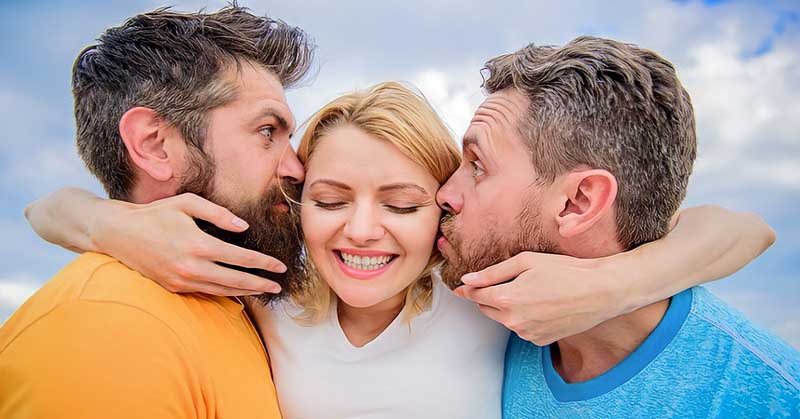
(358, 297)
(359, 300)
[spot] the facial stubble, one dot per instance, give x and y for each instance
(489, 246)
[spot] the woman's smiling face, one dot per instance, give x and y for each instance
(369, 216)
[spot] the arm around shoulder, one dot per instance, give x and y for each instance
(65, 217)
(706, 243)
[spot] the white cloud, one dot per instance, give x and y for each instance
(38, 147)
(46, 167)
(26, 117)
(14, 290)
(454, 94)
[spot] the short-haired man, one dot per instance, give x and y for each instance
(586, 150)
(164, 104)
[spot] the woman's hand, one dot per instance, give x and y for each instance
(160, 240)
(544, 297)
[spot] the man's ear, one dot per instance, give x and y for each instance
(144, 135)
(588, 195)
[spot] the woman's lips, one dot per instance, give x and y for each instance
(363, 274)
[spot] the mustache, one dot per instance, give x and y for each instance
(447, 225)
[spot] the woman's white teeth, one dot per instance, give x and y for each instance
(365, 263)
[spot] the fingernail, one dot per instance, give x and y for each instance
(281, 269)
(238, 222)
(469, 278)
(274, 290)
(458, 292)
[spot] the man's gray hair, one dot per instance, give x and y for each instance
(612, 106)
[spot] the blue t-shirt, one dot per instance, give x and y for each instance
(704, 359)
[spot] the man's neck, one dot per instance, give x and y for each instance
(589, 354)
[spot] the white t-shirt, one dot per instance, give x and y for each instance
(447, 363)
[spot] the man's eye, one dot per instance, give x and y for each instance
(329, 205)
(267, 132)
(477, 168)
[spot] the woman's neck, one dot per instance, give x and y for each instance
(363, 324)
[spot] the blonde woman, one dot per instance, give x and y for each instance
(378, 335)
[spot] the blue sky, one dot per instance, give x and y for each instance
(740, 61)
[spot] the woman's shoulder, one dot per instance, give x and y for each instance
(462, 314)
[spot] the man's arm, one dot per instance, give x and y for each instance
(91, 360)
(160, 240)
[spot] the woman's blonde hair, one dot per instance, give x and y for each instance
(403, 117)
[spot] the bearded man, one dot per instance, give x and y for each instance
(164, 104)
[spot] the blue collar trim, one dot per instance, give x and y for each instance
(662, 335)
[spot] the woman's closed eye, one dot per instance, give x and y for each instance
(329, 205)
(402, 209)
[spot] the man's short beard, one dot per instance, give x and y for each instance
(492, 248)
(272, 232)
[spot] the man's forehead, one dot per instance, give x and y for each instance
(260, 90)
(500, 111)
(508, 104)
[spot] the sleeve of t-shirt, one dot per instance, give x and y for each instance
(89, 359)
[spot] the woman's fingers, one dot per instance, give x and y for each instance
(206, 210)
(220, 251)
(231, 281)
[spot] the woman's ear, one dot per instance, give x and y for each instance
(588, 195)
(144, 134)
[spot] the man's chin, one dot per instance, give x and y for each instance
(451, 276)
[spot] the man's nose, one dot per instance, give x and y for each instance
(289, 168)
(449, 196)
(364, 226)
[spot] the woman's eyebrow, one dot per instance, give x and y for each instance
(330, 182)
(403, 186)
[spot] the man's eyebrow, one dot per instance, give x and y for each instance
(402, 186)
(469, 139)
(330, 182)
(282, 122)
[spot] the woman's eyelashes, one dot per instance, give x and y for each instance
(395, 208)
(328, 205)
(402, 209)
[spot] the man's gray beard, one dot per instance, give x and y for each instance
(271, 232)
(492, 248)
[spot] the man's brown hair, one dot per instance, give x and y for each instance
(172, 63)
(611, 106)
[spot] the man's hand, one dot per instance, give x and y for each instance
(544, 297)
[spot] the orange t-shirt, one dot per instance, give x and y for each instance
(101, 341)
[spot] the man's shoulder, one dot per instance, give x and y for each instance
(93, 358)
(716, 328)
(104, 279)
(521, 353)
(96, 283)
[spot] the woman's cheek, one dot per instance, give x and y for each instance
(317, 225)
(417, 232)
